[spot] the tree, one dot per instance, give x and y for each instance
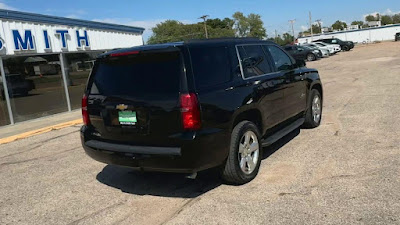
(250, 26)
(359, 23)
(316, 29)
(256, 26)
(285, 39)
(226, 23)
(385, 19)
(339, 25)
(370, 18)
(396, 18)
(172, 30)
(239, 26)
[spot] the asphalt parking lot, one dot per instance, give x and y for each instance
(344, 172)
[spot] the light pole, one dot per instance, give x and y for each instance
(205, 25)
(292, 22)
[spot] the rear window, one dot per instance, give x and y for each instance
(210, 65)
(139, 75)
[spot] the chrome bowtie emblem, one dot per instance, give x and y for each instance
(121, 107)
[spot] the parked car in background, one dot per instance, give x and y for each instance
(325, 51)
(336, 48)
(303, 53)
(345, 45)
(397, 37)
(17, 85)
(331, 51)
(234, 97)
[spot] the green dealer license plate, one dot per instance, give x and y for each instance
(127, 118)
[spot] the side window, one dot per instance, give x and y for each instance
(334, 41)
(210, 65)
(254, 61)
(281, 59)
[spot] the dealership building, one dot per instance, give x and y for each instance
(365, 35)
(45, 61)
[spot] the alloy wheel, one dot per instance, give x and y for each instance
(249, 150)
(316, 109)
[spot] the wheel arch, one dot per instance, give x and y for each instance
(252, 115)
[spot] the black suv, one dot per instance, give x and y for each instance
(303, 53)
(189, 106)
(17, 85)
(345, 45)
(397, 37)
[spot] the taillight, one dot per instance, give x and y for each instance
(190, 112)
(85, 115)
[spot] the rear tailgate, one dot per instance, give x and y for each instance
(135, 98)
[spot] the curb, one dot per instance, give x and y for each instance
(40, 131)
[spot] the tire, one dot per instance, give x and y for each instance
(346, 48)
(313, 109)
(243, 162)
(311, 57)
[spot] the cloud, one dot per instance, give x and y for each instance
(303, 27)
(73, 16)
(5, 6)
(146, 24)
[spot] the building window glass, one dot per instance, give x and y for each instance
(78, 67)
(35, 86)
(4, 118)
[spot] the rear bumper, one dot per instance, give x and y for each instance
(199, 153)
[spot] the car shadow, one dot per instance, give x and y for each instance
(158, 184)
(268, 151)
(135, 182)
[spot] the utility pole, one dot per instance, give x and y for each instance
(319, 24)
(276, 35)
(292, 22)
(311, 26)
(205, 25)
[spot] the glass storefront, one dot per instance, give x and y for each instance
(4, 118)
(78, 68)
(35, 86)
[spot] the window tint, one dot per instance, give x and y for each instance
(253, 60)
(281, 59)
(210, 65)
(142, 74)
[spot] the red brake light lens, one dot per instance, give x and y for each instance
(190, 112)
(124, 53)
(85, 115)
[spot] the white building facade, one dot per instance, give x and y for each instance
(366, 35)
(46, 60)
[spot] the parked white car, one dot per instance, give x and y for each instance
(325, 50)
(335, 47)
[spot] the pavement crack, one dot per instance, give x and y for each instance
(188, 203)
(37, 146)
(97, 212)
(37, 158)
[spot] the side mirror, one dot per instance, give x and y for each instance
(300, 63)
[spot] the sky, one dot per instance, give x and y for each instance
(147, 13)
